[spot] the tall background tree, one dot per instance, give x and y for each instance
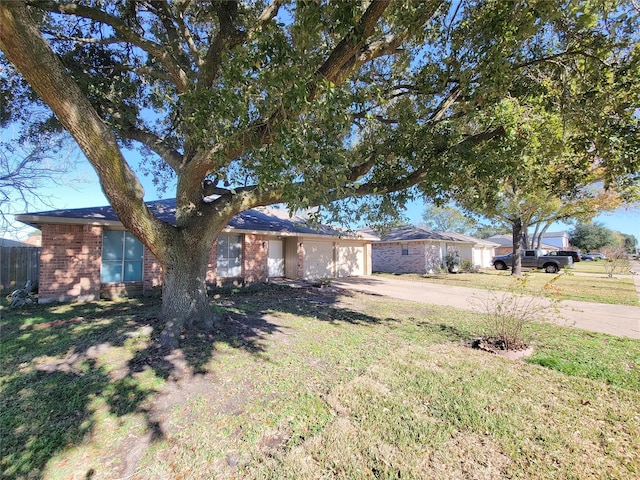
(595, 237)
(354, 105)
(447, 218)
(541, 175)
(591, 237)
(629, 242)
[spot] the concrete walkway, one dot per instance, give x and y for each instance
(620, 320)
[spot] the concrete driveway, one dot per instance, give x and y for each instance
(620, 320)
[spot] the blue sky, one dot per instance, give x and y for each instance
(89, 194)
(624, 220)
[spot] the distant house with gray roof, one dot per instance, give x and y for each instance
(505, 244)
(409, 249)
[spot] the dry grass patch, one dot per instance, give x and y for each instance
(446, 412)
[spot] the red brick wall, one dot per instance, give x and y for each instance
(212, 265)
(151, 273)
(255, 266)
(70, 262)
(71, 259)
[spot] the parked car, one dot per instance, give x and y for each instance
(568, 253)
(534, 259)
(586, 257)
(597, 256)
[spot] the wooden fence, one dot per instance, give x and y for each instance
(17, 265)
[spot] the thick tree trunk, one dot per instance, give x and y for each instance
(516, 264)
(541, 235)
(185, 303)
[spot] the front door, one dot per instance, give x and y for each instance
(276, 258)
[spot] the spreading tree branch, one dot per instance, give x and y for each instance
(155, 143)
(23, 45)
(227, 37)
(170, 62)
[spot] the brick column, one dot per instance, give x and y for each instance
(151, 274)
(254, 258)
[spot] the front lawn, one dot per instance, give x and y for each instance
(307, 384)
(577, 284)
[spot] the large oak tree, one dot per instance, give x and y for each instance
(305, 103)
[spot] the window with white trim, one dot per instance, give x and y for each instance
(229, 256)
(405, 249)
(121, 257)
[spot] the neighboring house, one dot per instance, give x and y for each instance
(505, 244)
(410, 249)
(87, 253)
(556, 239)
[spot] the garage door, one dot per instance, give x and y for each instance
(350, 260)
(318, 259)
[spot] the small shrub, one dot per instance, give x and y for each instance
(452, 262)
(508, 313)
(616, 261)
(467, 266)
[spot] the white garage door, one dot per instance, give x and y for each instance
(350, 260)
(318, 259)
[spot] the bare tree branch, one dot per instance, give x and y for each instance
(268, 14)
(446, 103)
(24, 171)
(169, 23)
(186, 33)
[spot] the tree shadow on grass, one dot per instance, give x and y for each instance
(65, 367)
(56, 376)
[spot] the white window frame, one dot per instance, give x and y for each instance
(228, 265)
(124, 260)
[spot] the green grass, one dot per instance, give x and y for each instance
(307, 385)
(597, 267)
(572, 285)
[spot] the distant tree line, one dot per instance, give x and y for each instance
(588, 236)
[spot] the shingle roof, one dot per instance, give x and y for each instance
(259, 220)
(503, 239)
(407, 233)
(506, 240)
(477, 241)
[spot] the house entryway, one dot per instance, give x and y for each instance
(276, 258)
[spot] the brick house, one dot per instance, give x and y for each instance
(87, 254)
(409, 249)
